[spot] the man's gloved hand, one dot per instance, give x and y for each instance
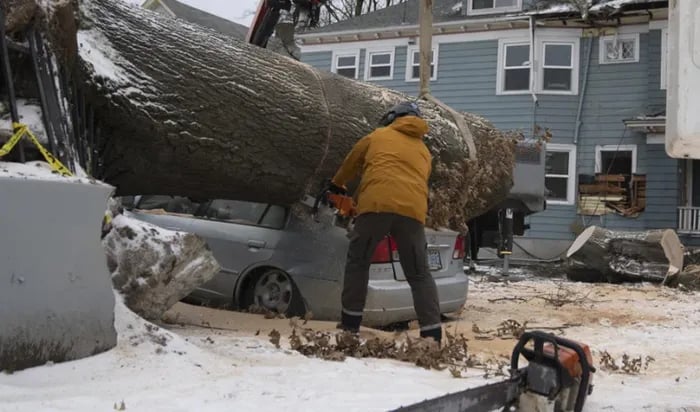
(335, 189)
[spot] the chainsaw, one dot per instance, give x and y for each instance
(557, 378)
(343, 207)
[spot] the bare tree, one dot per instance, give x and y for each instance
(347, 9)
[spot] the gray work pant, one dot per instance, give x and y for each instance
(409, 234)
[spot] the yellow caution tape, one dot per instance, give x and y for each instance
(22, 130)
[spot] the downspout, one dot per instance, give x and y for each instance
(533, 74)
(583, 91)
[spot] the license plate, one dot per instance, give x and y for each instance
(434, 261)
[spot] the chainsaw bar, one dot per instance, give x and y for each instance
(491, 397)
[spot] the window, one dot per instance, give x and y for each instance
(513, 68)
(619, 49)
(664, 59)
(558, 74)
(170, 204)
(616, 160)
(493, 6)
(380, 65)
(560, 170)
(413, 70)
(346, 65)
(235, 211)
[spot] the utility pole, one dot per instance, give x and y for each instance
(425, 15)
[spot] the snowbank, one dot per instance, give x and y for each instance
(152, 369)
(155, 267)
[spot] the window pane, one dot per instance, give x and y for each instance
(482, 4)
(557, 163)
(416, 58)
(517, 79)
(416, 72)
(274, 218)
(616, 163)
(346, 61)
(506, 3)
(381, 59)
(557, 54)
(627, 49)
(382, 71)
(235, 211)
(347, 72)
(517, 55)
(557, 79)
(557, 187)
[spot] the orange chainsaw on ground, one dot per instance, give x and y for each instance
(343, 204)
(557, 378)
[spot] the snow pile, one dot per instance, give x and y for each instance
(155, 267)
(153, 370)
(38, 170)
(30, 115)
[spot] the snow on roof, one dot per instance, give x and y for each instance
(29, 114)
(616, 4)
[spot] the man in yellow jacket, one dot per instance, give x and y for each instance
(392, 199)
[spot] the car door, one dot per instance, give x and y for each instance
(239, 234)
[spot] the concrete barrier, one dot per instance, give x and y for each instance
(56, 298)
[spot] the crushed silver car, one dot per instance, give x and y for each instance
(281, 259)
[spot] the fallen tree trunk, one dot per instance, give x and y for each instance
(184, 110)
(599, 254)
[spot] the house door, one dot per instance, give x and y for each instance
(694, 184)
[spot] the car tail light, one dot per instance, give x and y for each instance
(458, 253)
(386, 251)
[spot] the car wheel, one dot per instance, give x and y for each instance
(275, 290)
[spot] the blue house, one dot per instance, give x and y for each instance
(595, 77)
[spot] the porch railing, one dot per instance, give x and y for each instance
(689, 219)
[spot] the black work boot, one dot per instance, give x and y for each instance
(435, 333)
(350, 323)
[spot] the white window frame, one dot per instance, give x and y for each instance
(664, 59)
(470, 8)
(368, 63)
(346, 53)
(575, 54)
(409, 62)
(501, 72)
(614, 148)
(602, 48)
(571, 176)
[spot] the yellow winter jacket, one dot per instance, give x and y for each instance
(395, 165)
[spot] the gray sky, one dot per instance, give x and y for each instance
(240, 11)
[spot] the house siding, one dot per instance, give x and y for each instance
(320, 60)
(466, 80)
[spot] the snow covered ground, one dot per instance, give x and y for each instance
(225, 366)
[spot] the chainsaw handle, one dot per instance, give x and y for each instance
(540, 338)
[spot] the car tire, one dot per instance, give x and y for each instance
(274, 290)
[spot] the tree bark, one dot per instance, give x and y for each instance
(600, 254)
(185, 110)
